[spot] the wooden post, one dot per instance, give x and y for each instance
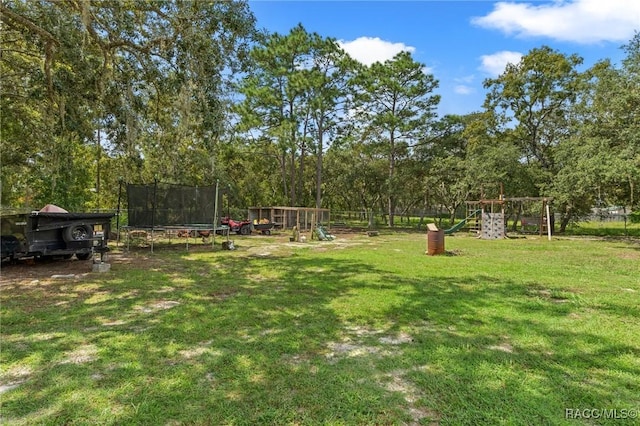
(542, 219)
(153, 210)
(548, 220)
(118, 211)
(215, 217)
(313, 224)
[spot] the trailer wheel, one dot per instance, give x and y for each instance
(77, 233)
(84, 256)
(267, 232)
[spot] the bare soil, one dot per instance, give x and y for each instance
(29, 270)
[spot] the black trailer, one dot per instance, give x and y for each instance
(47, 234)
(264, 228)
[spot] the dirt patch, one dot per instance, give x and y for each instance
(157, 306)
(630, 256)
(396, 340)
(31, 271)
(396, 382)
(503, 347)
(354, 343)
(197, 351)
(14, 377)
(35, 272)
(81, 355)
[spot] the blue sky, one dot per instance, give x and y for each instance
(461, 42)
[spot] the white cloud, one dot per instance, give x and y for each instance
(462, 89)
(368, 50)
(580, 21)
(495, 64)
(467, 79)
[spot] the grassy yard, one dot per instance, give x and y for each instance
(355, 331)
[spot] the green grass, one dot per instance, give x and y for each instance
(605, 229)
(583, 228)
(348, 332)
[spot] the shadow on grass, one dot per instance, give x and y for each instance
(497, 352)
(190, 341)
(256, 340)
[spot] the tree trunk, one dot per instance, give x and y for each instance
(293, 144)
(392, 166)
(292, 183)
(303, 153)
(566, 217)
(283, 170)
(319, 164)
(518, 217)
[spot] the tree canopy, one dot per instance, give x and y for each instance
(100, 92)
(144, 84)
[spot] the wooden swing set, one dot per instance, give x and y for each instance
(493, 220)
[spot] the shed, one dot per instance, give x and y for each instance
(288, 217)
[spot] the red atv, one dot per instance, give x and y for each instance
(242, 227)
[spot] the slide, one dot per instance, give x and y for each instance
(323, 235)
(458, 226)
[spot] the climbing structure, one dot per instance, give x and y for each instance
(492, 223)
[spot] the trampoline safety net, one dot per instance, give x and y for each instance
(170, 205)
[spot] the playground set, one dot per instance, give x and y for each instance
(489, 218)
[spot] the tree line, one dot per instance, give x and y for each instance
(95, 94)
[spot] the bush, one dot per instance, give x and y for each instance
(634, 217)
